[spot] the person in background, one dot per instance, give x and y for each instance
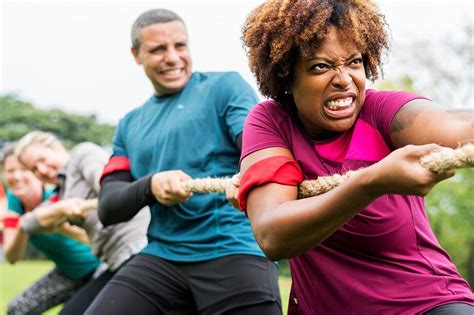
(77, 173)
(201, 256)
(365, 247)
(74, 262)
(3, 201)
(3, 210)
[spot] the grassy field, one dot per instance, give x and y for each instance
(13, 279)
(16, 278)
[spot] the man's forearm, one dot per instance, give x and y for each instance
(121, 198)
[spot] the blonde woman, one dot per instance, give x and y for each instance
(77, 174)
(74, 262)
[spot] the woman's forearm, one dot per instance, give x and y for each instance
(14, 244)
(285, 227)
(294, 226)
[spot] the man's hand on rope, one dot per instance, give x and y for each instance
(168, 189)
(232, 191)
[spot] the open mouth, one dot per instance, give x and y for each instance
(339, 104)
(171, 71)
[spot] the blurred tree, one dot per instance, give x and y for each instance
(451, 210)
(19, 117)
(441, 68)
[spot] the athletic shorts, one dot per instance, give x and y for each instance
(210, 287)
(452, 309)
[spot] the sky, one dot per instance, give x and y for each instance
(75, 55)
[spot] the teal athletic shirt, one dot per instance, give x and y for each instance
(193, 131)
(72, 258)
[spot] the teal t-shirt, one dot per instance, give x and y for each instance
(74, 259)
(194, 131)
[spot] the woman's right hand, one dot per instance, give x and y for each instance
(71, 208)
(55, 214)
(401, 172)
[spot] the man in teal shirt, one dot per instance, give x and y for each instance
(201, 255)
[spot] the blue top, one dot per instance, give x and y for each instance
(194, 131)
(74, 259)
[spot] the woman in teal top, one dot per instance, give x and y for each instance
(74, 262)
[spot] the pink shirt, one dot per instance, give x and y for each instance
(385, 260)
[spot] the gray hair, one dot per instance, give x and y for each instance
(45, 138)
(150, 17)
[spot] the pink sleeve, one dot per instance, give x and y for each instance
(261, 129)
(380, 107)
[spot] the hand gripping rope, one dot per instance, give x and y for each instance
(437, 161)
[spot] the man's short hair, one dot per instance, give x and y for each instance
(151, 17)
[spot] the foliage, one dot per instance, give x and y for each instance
(438, 70)
(19, 117)
(451, 210)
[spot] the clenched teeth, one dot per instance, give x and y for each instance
(339, 104)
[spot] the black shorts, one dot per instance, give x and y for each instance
(452, 309)
(151, 285)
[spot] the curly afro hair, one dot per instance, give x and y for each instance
(278, 30)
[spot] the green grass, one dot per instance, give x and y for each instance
(285, 285)
(16, 278)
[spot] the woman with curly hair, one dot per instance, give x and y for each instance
(365, 247)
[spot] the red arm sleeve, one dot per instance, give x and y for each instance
(116, 163)
(276, 169)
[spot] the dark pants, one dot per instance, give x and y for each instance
(50, 290)
(83, 298)
(236, 284)
(452, 309)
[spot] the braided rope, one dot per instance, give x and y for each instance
(206, 185)
(449, 159)
(436, 161)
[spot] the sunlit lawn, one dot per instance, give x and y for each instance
(13, 279)
(16, 278)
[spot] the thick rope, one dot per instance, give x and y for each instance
(449, 159)
(436, 161)
(206, 185)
